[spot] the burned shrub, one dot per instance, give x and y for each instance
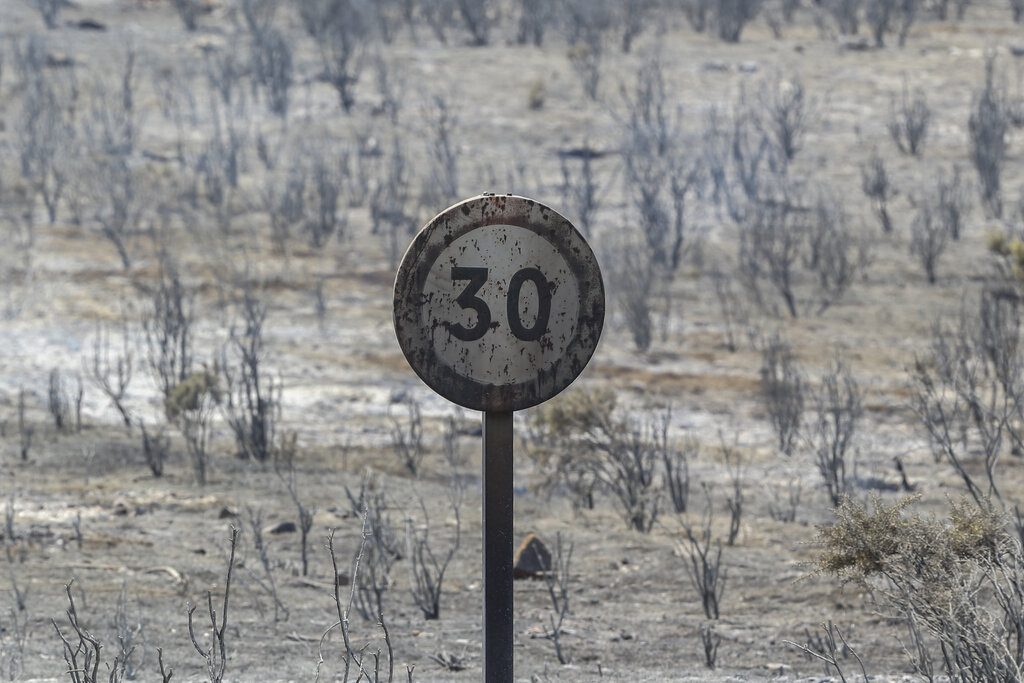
(587, 22)
(585, 438)
(44, 139)
(703, 553)
(533, 18)
(224, 70)
(284, 467)
(49, 10)
(830, 648)
(65, 405)
(884, 16)
(214, 655)
(659, 183)
(988, 125)
(952, 202)
(697, 13)
(747, 154)
(557, 581)
(929, 237)
(358, 658)
(846, 14)
(156, 449)
(167, 327)
(390, 203)
(381, 550)
(808, 255)
(441, 187)
(908, 121)
(878, 188)
(18, 232)
(341, 29)
(264, 579)
(258, 15)
(783, 391)
(252, 403)
(112, 126)
(25, 430)
(838, 408)
(581, 191)
(476, 15)
(82, 650)
(112, 373)
(785, 113)
(735, 498)
(284, 200)
(428, 564)
(407, 436)
(631, 276)
(271, 68)
(732, 16)
(188, 11)
(966, 389)
(676, 465)
(119, 202)
(323, 218)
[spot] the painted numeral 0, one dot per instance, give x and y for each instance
(469, 300)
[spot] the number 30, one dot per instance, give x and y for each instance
(469, 300)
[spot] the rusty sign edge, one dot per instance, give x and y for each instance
(460, 219)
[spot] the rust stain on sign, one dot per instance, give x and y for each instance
(499, 303)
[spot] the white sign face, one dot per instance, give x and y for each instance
(509, 302)
(499, 303)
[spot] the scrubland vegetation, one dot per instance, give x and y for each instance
(797, 451)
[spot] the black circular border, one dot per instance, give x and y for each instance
(427, 246)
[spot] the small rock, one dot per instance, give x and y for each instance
(120, 509)
(284, 528)
(1017, 50)
(749, 67)
(90, 25)
(584, 152)
(716, 66)
(156, 156)
(532, 559)
(226, 513)
(859, 45)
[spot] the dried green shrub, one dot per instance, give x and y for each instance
(880, 539)
(187, 394)
(962, 579)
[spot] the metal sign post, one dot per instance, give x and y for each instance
(497, 504)
(499, 305)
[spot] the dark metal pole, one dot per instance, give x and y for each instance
(497, 504)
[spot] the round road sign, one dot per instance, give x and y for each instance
(499, 303)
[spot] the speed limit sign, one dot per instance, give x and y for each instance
(499, 306)
(499, 303)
